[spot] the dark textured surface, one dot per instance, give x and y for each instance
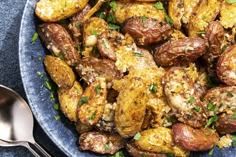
(10, 13)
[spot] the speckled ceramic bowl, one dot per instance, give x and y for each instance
(61, 132)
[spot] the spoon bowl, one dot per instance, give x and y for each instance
(16, 122)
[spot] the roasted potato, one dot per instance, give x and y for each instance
(92, 29)
(226, 124)
(194, 139)
(135, 152)
(58, 41)
(131, 107)
(101, 143)
(147, 31)
(183, 98)
(69, 99)
(220, 99)
(90, 68)
(176, 11)
(92, 102)
(228, 14)
(226, 66)
(82, 128)
(108, 42)
(126, 10)
(180, 51)
(75, 25)
(59, 72)
(52, 11)
(159, 140)
(204, 13)
(177, 34)
(189, 7)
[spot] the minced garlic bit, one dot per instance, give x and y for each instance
(225, 141)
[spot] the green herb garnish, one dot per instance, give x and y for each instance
(137, 136)
(56, 106)
(98, 89)
(233, 116)
(83, 100)
(210, 106)
(200, 32)
(107, 147)
(78, 25)
(144, 18)
(34, 37)
(234, 140)
(169, 20)
(92, 116)
(191, 100)
(114, 27)
(187, 48)
(57, 117)
(211, 120)
(229, 94)
(138, 54)
(113, 5)
(231, 1)
(211, 151)
(94, 33)
(197, 108)
(153, 88)
(159, 6)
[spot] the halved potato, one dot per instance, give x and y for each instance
(55, 10)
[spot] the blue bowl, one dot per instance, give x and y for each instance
(61, 132)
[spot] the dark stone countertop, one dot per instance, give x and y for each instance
(11, 13)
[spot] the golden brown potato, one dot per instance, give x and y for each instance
(147, 31)
(175, 11)
(135, 152)
(205, 12)
(180, 51)
(131, 107)
(177, 34)
(51, 11)
(68, 99)
(90, 68)
(226, 124)
(92, 29)
(59, 72)
(189, 7)
(194, 139)
(58, 41)
(182, 96)
(228, 14)
(159, 140)
(226, 66)
(126, 10)
(101, 143)
(220, 99)
(92, 102)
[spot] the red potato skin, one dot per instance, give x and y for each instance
(148, 31)
(226, 124)
(75, 22)
(194, 139)
(97, 141)
(135, 152)
(58, 41)
(226, 66)
(178, 52)
(108, 42)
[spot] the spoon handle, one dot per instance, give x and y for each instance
(35, 147)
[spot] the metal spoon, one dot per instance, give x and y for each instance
(16, 123)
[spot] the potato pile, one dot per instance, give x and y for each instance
(153, 77)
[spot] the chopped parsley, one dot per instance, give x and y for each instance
(159, 6)
(234, 140)
(56, 106)
(113, 5)
(211, 151)
(92, 116)
(138, 54)
(153, 88)
(83, 100)
(61, 55)
(233, 116)
(231, 1)
(200, 32)
(94, 33)
(48, 85)
(40, 74)
(98, 89)
(211, 120)
(114, 27)
(169, 20)
(197, 108)
(137, 136)
(210, 106)
(170, 155)
(111, 18)
(101, 15)
(144, 18)
(57, 117)
(104, 43)
(118, 154)
(223, 48)
(191, 100)
(107, 147)
(34, 37)
(229, 94)
(78, 25)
